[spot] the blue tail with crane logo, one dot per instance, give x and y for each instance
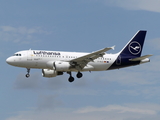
(132, 49)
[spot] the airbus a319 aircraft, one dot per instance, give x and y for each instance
(54, 63)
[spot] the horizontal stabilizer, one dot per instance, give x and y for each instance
(140, 58)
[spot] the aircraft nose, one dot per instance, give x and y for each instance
(9, 60)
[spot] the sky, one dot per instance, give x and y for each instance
(84, 26)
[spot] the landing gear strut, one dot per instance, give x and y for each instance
(28, 71)
(70, 79)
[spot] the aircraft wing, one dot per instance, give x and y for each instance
(81, 62)
(140, 58)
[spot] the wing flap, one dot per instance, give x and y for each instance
(140, 58)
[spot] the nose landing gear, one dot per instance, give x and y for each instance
(28, 71)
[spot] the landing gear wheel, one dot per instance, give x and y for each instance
(79, 75)
(71, 79)
(27, 75)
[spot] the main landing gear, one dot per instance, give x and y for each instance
(79, 75)
(28, 71)
(71, 79)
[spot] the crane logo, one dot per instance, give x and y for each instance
(134, 48)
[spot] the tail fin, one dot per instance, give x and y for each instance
(135, 45)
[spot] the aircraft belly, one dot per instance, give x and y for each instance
(38, 64)
(31, 64)
(100, 66)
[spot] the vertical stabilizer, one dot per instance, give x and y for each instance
(132, 50)
(135, 45)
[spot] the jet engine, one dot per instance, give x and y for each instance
(59, 65)
(50, 73)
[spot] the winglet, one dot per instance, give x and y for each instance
(113, 47)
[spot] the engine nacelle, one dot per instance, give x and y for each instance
(58, 65)
(50, 73)
(62, 66)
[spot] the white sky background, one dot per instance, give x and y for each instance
(79, 25)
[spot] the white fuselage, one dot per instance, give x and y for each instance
(43, 59)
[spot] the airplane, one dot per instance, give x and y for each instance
(55, 63)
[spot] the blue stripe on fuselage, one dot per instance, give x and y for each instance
(123, 61)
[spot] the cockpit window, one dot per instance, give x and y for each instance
(17, 55)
